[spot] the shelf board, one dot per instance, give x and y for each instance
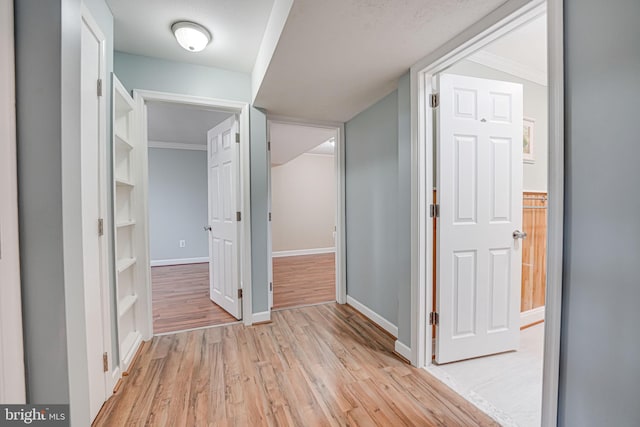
(128, 348)
(123, 142)
(125, 263)
(126, 304)
(124, 183)
(125, 224)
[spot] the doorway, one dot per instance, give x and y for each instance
(183, 267)
(304, 212)
(489, 245)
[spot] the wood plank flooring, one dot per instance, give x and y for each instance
(322, 365)
(181, 299)
(302, 280)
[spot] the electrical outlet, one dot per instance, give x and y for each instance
(183, 243)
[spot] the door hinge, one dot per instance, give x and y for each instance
(434, 319)
(270, 286)
(269, 216)
(240, 293)
(434, 211)
(105, 362)
(269, 146)
(435, 100)
(100, 226)
(238, 216)
(99, 87)
(237, 137)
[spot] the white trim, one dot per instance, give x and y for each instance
(555, 215)
(12, 375)
(105, 247)
(178, 261)
(403, 350)
(341, 253)
(141, 97)
(263, 316)
(509, 66)
(499, 22)
(176, 146)
(531, 316)
(373, 316)
(299, 252)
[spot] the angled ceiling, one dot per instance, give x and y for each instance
(337, 57)
(180, 123)
(143, 27)
(525, 47)
(289, 141)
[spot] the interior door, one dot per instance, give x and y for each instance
(93, 245)
(479, 133)
(224, 216)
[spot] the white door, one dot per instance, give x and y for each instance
(224, 216)
(93, 188)
(480, 196)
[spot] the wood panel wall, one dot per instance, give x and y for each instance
(534, 250)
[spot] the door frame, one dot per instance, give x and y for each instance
(12, 374)
(340, 256)
(140, 98)
(112, 375)
(493, 26)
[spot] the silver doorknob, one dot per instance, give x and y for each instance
(207, 228)
(519, 234)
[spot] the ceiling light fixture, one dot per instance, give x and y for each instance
(191, 36)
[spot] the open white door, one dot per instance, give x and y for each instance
(480, 197)
(224, 216)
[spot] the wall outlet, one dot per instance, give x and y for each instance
(182, 243)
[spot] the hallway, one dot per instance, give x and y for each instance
(317, 365)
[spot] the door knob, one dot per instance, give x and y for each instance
(519, 234)
(207, 228)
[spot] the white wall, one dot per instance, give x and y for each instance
(12, 384)
(303, 212)
(535, 107)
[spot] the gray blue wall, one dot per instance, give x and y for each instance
(600, 340)
(178, 204)
(403, 211)
(371, 163)
(378, 208)
(141, 72)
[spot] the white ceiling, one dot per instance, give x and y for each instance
(524, 47)
(327, 148)
(143, 27)
(337, 57)
(289, 141)
(181, 123)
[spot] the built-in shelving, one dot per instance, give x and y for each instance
(126, 190)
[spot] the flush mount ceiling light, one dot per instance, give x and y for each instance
(191, 36)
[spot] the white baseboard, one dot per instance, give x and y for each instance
(299, 252)
(373, 316)
(178, 261)
(403, 350)
(263, 316)
(531, 316)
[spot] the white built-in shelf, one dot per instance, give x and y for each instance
(123, 183)
(126, 304)
(125, 263)
(123, 141)
(124, 224)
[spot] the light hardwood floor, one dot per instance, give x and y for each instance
(302, 280)
(322, 365)
(181, 299)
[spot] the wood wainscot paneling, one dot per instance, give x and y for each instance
(534, 250)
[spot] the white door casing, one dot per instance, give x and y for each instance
(479, 135)
(224, 225)
(95, 249)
